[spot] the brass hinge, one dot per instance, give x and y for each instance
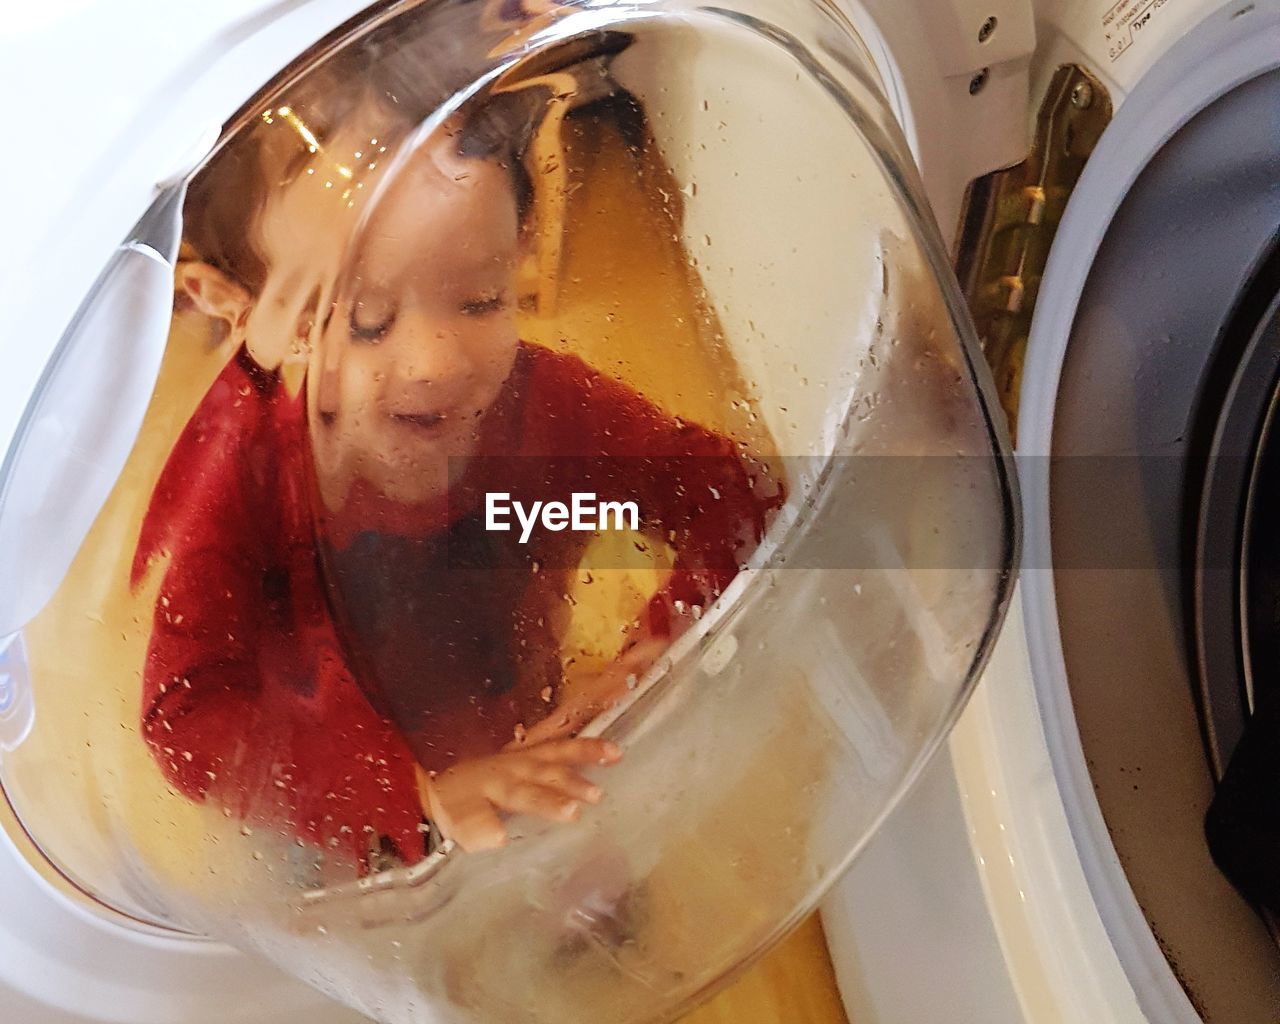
(1010, 218)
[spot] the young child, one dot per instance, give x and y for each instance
(340, 646)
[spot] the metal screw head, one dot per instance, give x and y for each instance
(988, 28)
(1082, 96)
(978, 81)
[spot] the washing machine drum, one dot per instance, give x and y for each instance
(503, 531)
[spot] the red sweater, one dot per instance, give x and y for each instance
(252, 698)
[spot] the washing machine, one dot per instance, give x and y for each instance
(1056, 860)
(1096, 180)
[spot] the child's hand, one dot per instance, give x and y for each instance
(593, 697)
(467, 801)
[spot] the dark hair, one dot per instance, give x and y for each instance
(223, 202)
(410, 70)
(500, 130)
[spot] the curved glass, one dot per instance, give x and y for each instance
(567, 515)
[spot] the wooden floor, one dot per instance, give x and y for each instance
(794, 984)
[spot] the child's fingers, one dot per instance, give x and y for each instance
(565, 780)
(577, 751)
(539, 802)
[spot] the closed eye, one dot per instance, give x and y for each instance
(484, 305)
(371, 328)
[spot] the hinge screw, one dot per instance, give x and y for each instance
(1082, 96)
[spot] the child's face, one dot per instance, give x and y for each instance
(422, 334)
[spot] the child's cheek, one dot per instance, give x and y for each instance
(499, 349)
(362, 376)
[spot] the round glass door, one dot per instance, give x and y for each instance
(502, 536)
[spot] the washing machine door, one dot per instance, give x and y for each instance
(503, 531)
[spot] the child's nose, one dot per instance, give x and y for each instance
(433, 355)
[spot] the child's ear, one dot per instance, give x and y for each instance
(214, 293)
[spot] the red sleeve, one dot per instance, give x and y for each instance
(695, 488)
(203, 461)
(246, 698)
